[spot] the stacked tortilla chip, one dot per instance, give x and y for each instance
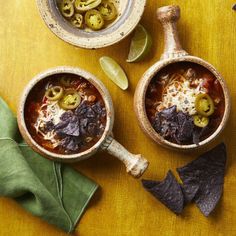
(202, 183)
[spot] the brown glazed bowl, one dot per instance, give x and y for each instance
(129, 15)
(173, 53)
(135, 164)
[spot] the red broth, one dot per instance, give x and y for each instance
(65, 131)
(200, 78)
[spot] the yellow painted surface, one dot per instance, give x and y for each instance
(122, 207)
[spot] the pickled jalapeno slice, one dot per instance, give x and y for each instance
(54, 93)
(67, 8)
(77, 20)
(200, 121)
(86, 5)
(94, 20)
(70, 100)
(107, 10)
(204, 105)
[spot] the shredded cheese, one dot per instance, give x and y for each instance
(178, 92)
(48, 112)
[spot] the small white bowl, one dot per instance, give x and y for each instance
(129, 15)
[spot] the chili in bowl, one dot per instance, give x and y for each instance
(182, 102)
(66, 114)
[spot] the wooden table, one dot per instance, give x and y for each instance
(122, 207)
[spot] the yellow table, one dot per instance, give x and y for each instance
(122, 207)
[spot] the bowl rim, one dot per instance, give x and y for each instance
(93, 80)
(97, 42)
(140, 108)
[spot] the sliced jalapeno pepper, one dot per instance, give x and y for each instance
(107, 10)
(200, 121)
(94, 20)
(86, 5)
(77, 20)
(204, 105)
(67, 8)
(54, 93)
(70, 100)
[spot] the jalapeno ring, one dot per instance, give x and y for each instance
(67, 8)
(86, 5)
(54, 93)
(200, 121)
(70, 100)
(107, 10)
(94, 20)
(204, 105)
(77, 20)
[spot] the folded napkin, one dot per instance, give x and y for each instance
(47, 189)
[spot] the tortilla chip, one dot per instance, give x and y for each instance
(168, 191)
(203, 179)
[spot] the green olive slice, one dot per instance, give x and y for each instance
(77, 20)
(70, 100)
(54, 93)
(86, 5)
(67, 8)
(200, 121)
(204, 105)
(107, 10)
(94, 20)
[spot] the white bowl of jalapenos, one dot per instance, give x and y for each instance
(91, 23)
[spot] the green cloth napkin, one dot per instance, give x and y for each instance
(50, 190)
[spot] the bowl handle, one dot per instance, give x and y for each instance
(168, 16)
(135, 164)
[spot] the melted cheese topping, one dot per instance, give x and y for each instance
(178, 92)
(48, 112)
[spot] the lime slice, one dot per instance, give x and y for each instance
(113, 70)
(140, 45)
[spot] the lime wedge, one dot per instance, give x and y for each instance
(113, 70)
(140, 45)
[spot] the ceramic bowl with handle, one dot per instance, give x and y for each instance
(135, 164)
(129, 15)
(174, 53)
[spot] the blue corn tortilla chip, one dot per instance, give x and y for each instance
(174, 126)
(190, 192)
(76, 126)
(168, 191)
(203, 179)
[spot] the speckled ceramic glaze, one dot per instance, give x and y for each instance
(168, 16)
(129, 14)
(135, 164)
